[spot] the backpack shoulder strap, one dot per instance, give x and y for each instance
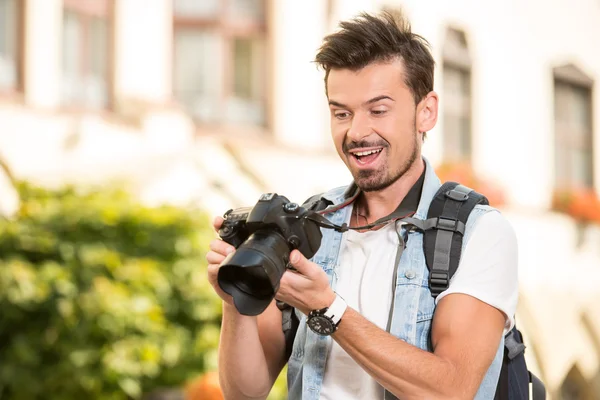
(515, 379)
(538, 390)
(443, 232)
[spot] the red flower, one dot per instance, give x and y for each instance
(205, 387)
(582, 204)
(463, 173)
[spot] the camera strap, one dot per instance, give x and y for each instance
(405, 209)
(395, 216)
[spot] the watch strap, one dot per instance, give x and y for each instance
(337, 309)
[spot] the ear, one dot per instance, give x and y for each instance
(427, 112)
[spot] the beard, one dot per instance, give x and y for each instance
(381, 178)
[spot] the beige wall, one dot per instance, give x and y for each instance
(42, 53)
(143, 50)
(299, 106)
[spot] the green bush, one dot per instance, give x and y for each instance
(101, 297)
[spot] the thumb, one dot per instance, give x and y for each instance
(299, 262)
(217, 222)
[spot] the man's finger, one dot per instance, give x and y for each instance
(301, 263)
(221, 247)
(217, 222)
(212, 269)
(214, 258)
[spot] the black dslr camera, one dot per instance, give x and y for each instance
(264, 236)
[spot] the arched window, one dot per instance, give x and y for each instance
(573, 136)
(457, 135)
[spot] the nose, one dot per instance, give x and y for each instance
(360, 127)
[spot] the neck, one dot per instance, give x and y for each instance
(375, 205)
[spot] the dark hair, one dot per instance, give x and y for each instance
(379, 38)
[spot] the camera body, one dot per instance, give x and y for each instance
(273, 212)
(264, 236)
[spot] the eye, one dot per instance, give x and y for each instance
(378, 112)
(341, 114)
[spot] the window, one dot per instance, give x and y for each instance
(457, 136)
(11, 12)
(219, 61)
(85, 64)
(573, 129)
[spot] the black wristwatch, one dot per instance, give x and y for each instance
(325, 321)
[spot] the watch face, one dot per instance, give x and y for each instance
(320, 325)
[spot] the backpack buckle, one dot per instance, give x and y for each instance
(446, 224)
(438, 282)
(514, 346)
(451, 225)
(456, 195)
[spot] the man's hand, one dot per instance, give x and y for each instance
(251, 348)
(307, 288)
(219, 249)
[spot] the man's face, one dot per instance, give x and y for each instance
(373, 123)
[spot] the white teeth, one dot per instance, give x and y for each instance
(366, 153)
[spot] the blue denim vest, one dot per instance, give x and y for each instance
(412, 303)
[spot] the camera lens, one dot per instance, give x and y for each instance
(252, 273)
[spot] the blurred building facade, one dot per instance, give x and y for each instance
(213, 102)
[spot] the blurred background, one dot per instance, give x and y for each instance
(126, 125)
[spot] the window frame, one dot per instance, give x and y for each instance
(87, 10)
(456, 55)
(18, 89)
(572, 76)
(227, 29)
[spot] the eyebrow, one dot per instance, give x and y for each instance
(371, 101)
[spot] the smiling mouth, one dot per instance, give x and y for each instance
(367, 156)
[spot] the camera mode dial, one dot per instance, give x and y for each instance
(291, 208)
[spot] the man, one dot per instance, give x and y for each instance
(388, 342)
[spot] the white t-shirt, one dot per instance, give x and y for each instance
(487, 271)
